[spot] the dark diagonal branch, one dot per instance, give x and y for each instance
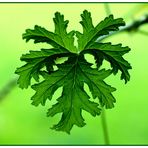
(131, 27)
(7, 88)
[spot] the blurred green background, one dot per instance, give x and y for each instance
(22, 123)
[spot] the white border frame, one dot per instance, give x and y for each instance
(133, 1)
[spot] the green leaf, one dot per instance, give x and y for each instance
(59, 39)
(113, 54)
(97, 86)
(90, 33)
(86, 22)
(71, 76)
(35, 61)
(75, 72)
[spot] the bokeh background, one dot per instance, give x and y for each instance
(23, 124)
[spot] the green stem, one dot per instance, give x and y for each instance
(103, 115)
(105, 129)
(107, 9)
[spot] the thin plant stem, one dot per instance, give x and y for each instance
(103, 114)
(133, 11)
(105, 128)
(107, 9)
